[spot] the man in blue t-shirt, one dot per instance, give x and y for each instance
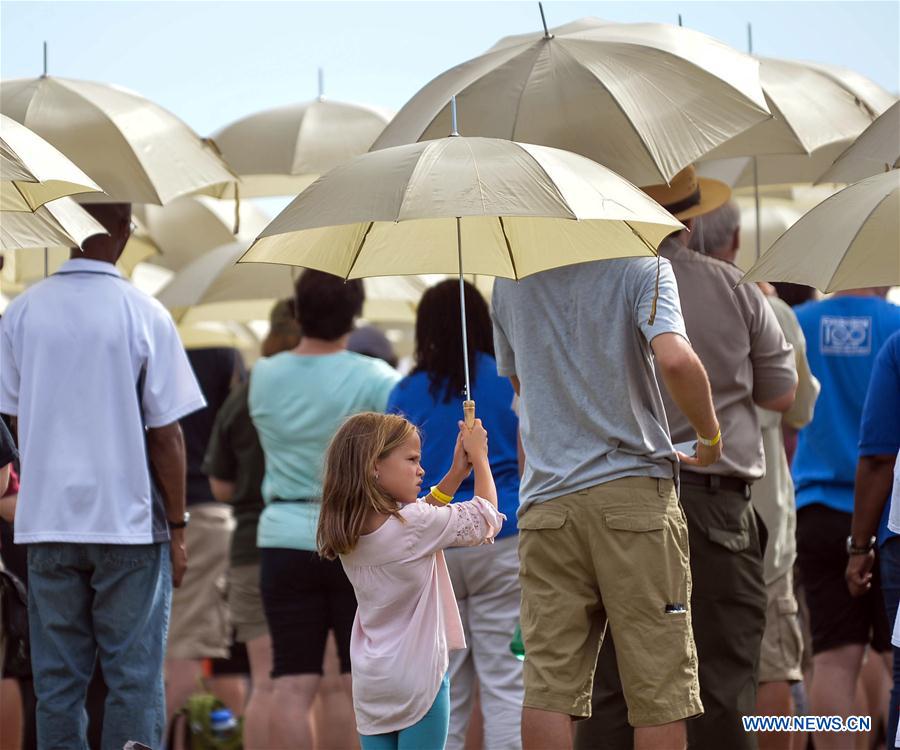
(844, 335)
(879, 441)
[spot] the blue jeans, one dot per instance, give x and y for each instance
(889, 554)
(106, 602)
(428, 733)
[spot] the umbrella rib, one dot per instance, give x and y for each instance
(359, 249)
(509, 251)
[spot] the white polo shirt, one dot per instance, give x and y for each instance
(72, 350)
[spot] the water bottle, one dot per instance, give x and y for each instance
(516, 645)
(222, 723)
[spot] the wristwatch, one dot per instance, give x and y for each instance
(852, 549)
(179, 524)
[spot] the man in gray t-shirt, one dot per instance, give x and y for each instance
(602, 536)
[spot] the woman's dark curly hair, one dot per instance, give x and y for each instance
(439, 345)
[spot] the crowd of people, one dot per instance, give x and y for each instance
(678, 488)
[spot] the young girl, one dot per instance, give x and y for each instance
(390, 543)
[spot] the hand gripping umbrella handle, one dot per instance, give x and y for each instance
(469, 413)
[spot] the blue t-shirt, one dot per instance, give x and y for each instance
(297, 402)
(437, 421)
(843, 337)
(879, 430)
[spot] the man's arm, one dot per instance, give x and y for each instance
(874, 480)
(685, 379)
(167, 457)
(781, 403)
(222, 490)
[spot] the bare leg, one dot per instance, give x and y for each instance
(671, 736)
(475, 733)
(231, 689)
(833, 691)
(292, 697)
(184, 677)
(258, 711)
(10, 714)
(335, 723)
(875, 683)
(545, 730)
(774, 699)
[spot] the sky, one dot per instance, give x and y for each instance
(213, 62)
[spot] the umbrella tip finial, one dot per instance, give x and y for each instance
(44, 75)
(454, 132)
(749, 37)
(547, 34)
(679, 20)
(321, 84)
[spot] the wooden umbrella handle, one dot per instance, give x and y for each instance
(469, 413)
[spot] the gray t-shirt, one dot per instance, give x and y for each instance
(578, 340)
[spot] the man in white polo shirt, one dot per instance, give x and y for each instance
(97, 377)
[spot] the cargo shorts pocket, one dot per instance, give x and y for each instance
(790, 638)
(540, 519)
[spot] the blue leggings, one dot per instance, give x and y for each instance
(428, 733)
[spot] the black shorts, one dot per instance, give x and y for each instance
(304, 597)
(836, 618)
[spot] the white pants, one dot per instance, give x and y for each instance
(486, 583)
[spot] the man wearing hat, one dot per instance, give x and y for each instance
(749, 363)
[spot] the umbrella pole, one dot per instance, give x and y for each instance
(468, 404)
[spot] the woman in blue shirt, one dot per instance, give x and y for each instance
(485, 579)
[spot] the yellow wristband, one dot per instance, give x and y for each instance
(710, 443)
(440, 496)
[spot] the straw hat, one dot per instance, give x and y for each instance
(688, 195)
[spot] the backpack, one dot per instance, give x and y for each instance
(194, 719)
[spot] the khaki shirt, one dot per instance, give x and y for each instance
(773, 495)
(738, 339)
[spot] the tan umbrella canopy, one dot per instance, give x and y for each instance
(60, 223)
(455, 205)
(135, 150)
(850, 240)
(810, 110)
(214, 288)
(645, 100)
(876, 150)
(32, 172)
(870, 94)
(281, 151)
(189, 226)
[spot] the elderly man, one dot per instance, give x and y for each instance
(602, 539)
(738, 339)
(718, 235)
(87, 362)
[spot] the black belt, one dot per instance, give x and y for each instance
(714, 482)
(295, 500)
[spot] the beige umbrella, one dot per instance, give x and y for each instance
(60, 223)
(32, 172)
(848, 241)
(645, 100)
(870, 94)
(876, 150)
(189, 226)
(455, 205)
(214, 288)
(810, 110)
(135, 150)
(281, 151)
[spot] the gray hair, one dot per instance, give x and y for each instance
(712, 232)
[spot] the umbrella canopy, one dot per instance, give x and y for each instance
(872, 96)
(214, 288)
(645, 100)
(60, 223)
(875, 150)
(848, 241)
(810, 110)
(135, 150)
(518, 208)
(32, 172)
(189, 226)
(281, 151)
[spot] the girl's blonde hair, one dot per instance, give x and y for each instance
(349, 490)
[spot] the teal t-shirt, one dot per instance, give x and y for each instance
(297, 403)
